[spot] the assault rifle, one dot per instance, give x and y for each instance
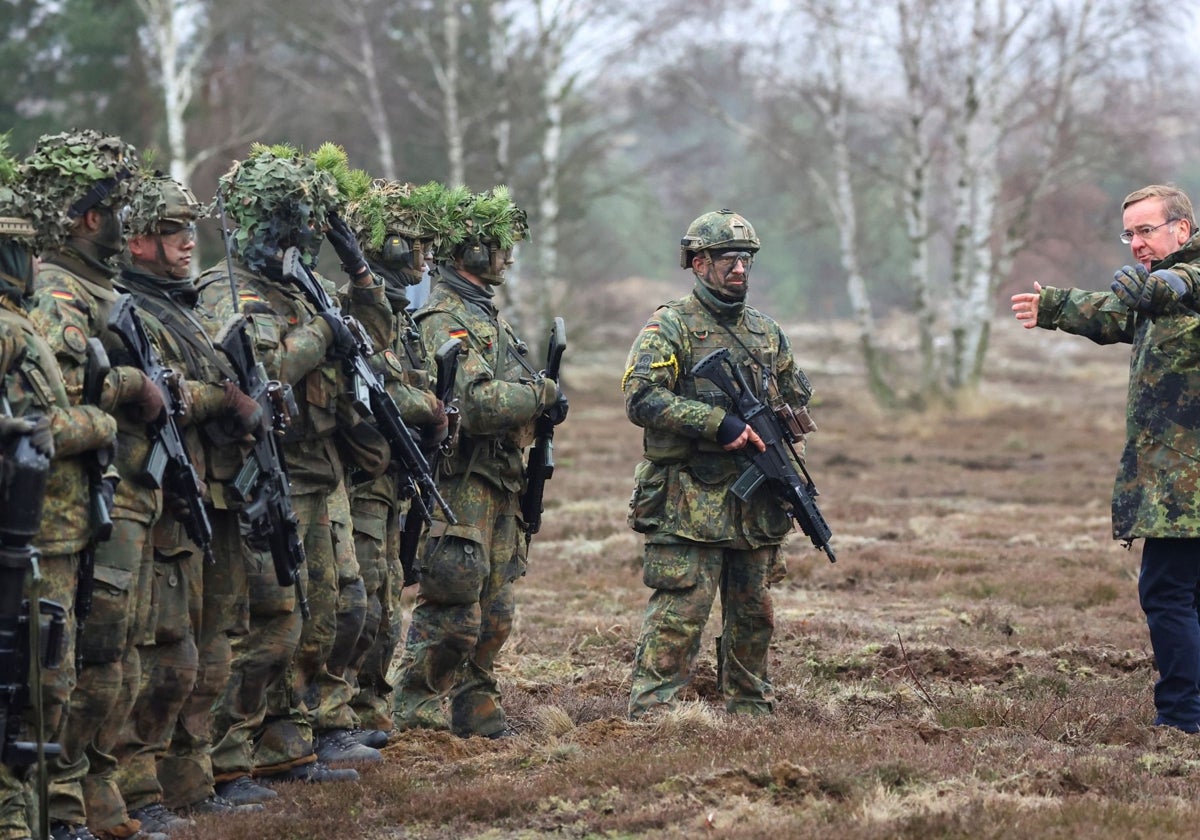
(372, 398)
(778, 462)
(28, 643)
(540, 467)
(169, 465)
(25, 640)
(261, 485)
(446, 362)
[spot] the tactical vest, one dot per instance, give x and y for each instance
(753, 343)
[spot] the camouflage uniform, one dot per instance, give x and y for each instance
(34, 384)
(395, 224)
(376, 510)
(1155, 494)
(465, 604)
(73, 299)
(700, 538)
(292, 346)
(171, 665)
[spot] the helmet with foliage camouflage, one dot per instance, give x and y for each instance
(489, 218)
(279, 196)
(720, 229)
(13, 200)
(395, 208)
(158, 199)
(70, 173)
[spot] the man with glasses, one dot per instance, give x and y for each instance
(186, 654)
(701, 538)
(1152, 305)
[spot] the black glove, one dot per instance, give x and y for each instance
(342, 346)
(346, 246)
(36, 426)
(731, 429)
(1149, 293)
(557, 411)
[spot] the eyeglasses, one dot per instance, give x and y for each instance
(180, 235)
(726, 259)
(1144, 231)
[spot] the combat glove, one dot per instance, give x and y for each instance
(345, 245)
(12, 350)
(149, 400)
(1149, 293)
(557, 412)
(36, 426)
(248, 412)
(342, 345)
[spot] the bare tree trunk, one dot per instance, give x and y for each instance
(176, 70)
(374, 109)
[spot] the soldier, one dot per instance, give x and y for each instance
(700, 538)
(466, 602)
(162, 228)
(1153, 308)
(396, 225)
(278, 199)
(90, 177)
(32, 384)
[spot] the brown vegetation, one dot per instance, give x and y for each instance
(975, 664)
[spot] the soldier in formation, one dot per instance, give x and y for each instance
(215, 660)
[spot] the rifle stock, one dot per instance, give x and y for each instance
(540, 467)
(777, 464)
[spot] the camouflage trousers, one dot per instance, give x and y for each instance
(83, 786)
(376, 542)
(686, 578)
(463, 617)
(261, 651)
(219, 605)
(18, 801)
(309, 696)
(168, 668)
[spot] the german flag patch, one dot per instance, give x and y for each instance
(62, 294)
(458, 333)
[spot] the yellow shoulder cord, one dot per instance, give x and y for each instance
(671, 363)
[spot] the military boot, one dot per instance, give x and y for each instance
(157, 818)
(244, 791)
(338, 746)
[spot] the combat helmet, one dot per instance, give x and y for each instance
(73, 172)
(393, 207)
(14, 200)
(279, 196)
(479, 224)
(160, 198)
(720, 229)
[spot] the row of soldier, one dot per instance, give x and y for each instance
(192, 679)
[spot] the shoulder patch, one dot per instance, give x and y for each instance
(644, 361)
(457, 332)
(393, 361)
(74, 339)
(62, 294)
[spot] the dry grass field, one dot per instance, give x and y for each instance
(975, 664)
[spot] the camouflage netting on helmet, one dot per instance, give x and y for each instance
(278, 194)
(391, 207)
(160, 198)
(490, 217)
(70, 173)
(13, 199)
